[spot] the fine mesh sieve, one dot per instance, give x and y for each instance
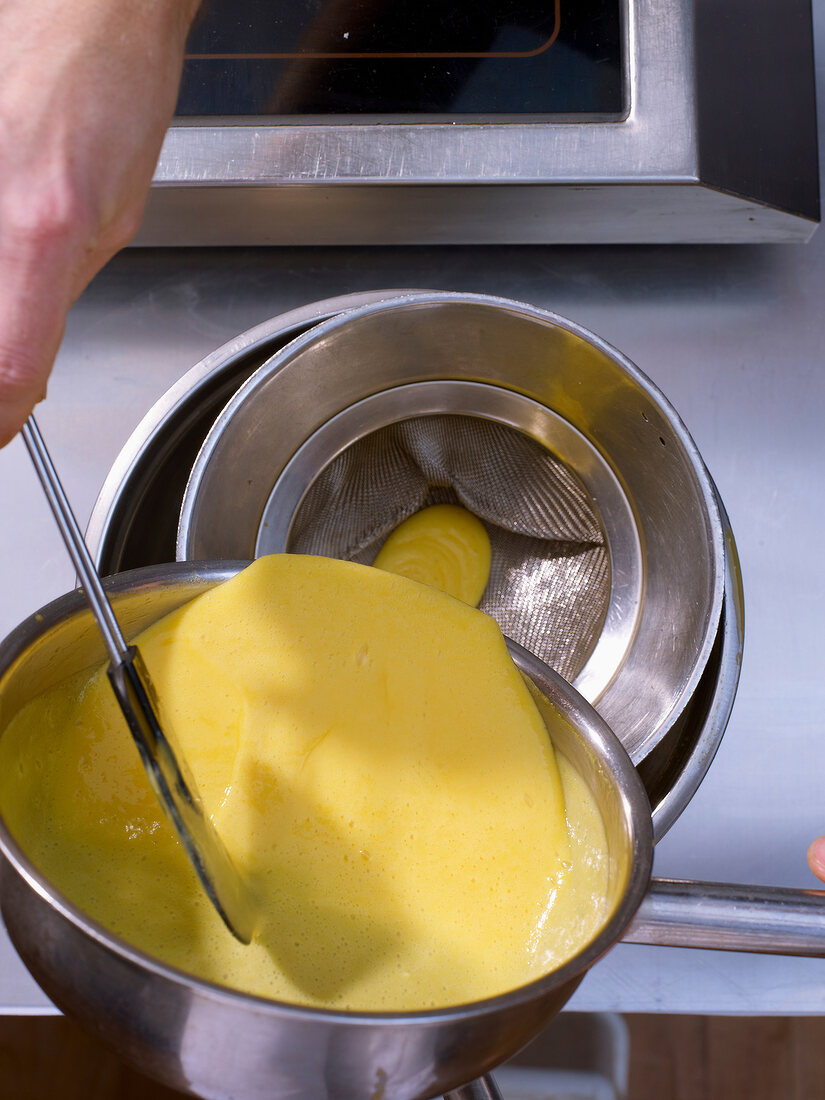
(549, 583)
(567, 573)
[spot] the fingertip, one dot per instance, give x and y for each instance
(11, 421)
(816, 857)
(13, 416)
(15, 408)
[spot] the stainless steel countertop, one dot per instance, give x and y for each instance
(734, 335)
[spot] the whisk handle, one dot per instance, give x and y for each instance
(75, 543)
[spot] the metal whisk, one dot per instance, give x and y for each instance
(174, 787)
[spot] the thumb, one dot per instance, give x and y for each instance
(33, 306)
(22, 385)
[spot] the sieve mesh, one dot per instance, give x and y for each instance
(550, 578)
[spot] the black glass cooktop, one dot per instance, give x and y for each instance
(404, 57)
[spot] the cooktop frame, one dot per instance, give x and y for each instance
(718, 145)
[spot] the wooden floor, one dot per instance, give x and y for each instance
(672, 1058)
(726, 1058)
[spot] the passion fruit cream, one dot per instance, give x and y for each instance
(444, 546)
(377, 768)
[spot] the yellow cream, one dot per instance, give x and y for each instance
(376, 766)
(444, 546)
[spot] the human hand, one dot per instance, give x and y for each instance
(87, 89)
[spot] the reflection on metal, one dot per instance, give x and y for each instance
(711, 149)
(729, 917)
(484, 1088)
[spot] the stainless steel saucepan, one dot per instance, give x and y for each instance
(217, 1043)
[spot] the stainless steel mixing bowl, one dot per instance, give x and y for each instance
(135, 519)
(493, 360)
(217, 1043)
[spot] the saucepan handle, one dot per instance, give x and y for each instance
(484, 1088)
(724, 916)
(772, 920)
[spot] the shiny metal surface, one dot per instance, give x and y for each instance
(166, 771)
(731, 917)
(709, 151)
(483, 1089)
(216, 1043)
(554, 363)
(674, 772)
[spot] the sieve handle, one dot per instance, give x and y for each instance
(724, 916)
(484, 1088)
